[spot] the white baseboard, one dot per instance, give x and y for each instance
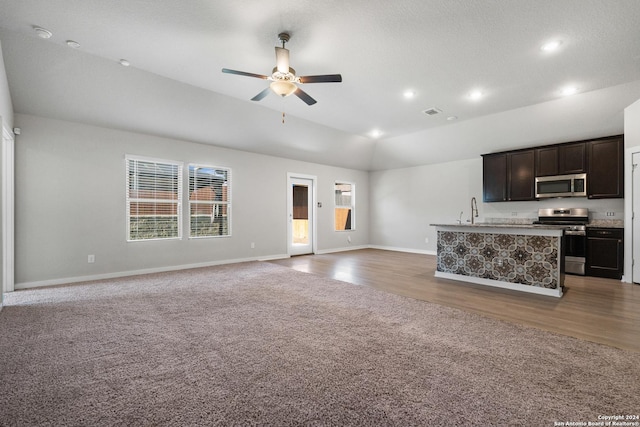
(344, 249)
(396, 249)
(68, 280)
(115, 275)
(384, 248)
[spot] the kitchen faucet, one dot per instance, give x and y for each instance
(474, 209)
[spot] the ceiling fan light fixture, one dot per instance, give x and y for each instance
(282, 60)
(283, 88)
(284, 79)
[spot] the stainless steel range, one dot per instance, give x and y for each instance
(574, 222)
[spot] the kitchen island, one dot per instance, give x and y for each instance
(523, 257)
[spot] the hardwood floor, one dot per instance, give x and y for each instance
(594, 309)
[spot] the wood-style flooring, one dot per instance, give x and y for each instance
(600, 310)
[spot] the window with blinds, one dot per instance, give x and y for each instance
(344, 209)
(154, 194)
(209, 201)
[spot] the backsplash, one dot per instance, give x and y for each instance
(515, 221)
(602, 212)
(607, 223)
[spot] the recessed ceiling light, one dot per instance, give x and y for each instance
(376, 133)
(124, 63)
(551, 45)
(452, 118)
(409, 94)
(568, 90)
(475, 95)
(73, 44)
(43, 33)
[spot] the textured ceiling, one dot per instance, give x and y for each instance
(440, 49)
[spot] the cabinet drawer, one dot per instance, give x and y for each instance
(607, 233)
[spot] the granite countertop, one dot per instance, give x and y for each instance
(606, 223)
(600, 223)
(502, 225)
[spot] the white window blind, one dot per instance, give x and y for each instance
(209, 201)
(154, 194)
(345, 202)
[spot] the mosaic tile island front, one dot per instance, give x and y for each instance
(522, 257)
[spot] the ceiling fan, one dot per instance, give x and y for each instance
(284, 81)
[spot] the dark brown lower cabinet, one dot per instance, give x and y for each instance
(605, 252)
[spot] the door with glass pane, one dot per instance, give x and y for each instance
(300, 212)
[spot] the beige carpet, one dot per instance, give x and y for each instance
(261, 344)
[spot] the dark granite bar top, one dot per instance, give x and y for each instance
(606, 223)
(498, 225)
(528, 222)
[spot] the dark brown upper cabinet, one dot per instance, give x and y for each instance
(547, 161)
(605, 179)
(494, 177)
(521, 175)
(561, 159)
(508, 176)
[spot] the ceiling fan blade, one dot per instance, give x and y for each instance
(242, 73)
(282, 59)
(304, 96)
(326, 78)
(261, 95)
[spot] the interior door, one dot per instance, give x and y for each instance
(636, 217)
(301, 232)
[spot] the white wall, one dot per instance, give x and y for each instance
(6, 122)
(632, 144)
(6, 108)
(405, 201)
(70, 202)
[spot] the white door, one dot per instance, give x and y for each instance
(636, 217)
(301, 230)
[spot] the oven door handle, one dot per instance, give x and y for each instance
(575, 233)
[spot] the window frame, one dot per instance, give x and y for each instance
(178, 201)
(352, 206)
(227, 203)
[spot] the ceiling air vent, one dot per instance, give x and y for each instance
(432, 111)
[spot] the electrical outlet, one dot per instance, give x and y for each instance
(253, 245)
(91, 259)
(514, 213)
(611, 214)
(499, 262)
(426, 240)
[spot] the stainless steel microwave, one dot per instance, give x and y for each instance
(561, 186)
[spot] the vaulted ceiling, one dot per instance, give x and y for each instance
(440, 50)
